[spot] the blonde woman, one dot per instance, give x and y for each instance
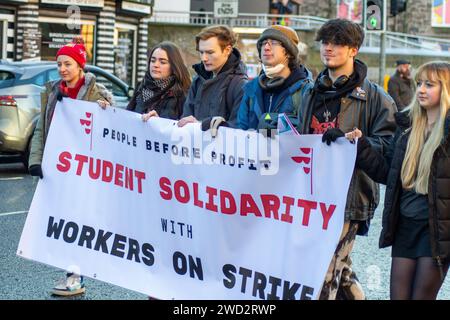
(416, 171)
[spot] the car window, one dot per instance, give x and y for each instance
(6, 78)
(53, 74)
(5, 75)
(38, 79)
(110, 85)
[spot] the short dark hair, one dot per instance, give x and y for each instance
(224, 34)
(341, 32)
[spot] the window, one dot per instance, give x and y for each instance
(53, 74)
(5, 75)
(124, 52)
(440, 16)
(351, 10)
(6, 79)
(56, 33)
(39, 79)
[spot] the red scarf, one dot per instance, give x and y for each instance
(71, 92)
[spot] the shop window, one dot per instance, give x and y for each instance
(55, 34)
(124, 52)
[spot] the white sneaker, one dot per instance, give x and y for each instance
(71, 285)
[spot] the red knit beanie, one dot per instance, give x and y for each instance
(75, 50)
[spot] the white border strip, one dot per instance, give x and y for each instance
(11, 213)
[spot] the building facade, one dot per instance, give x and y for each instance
(424, 17)
(115, 32)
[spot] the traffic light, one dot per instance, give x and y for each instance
(397, 6)
(375, 12)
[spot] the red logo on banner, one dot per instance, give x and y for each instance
(88, 124)
(306, 162)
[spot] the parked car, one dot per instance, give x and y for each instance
(21, 84)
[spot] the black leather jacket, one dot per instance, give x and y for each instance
(369, 108)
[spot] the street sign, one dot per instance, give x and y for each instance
(226, 8)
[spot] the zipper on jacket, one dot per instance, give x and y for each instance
(436, 227)
(270, 102)
(441, 267)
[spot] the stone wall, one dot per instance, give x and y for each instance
(322, 8)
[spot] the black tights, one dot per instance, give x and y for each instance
(415, 279)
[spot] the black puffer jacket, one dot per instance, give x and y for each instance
(220, 95)
(386, 169)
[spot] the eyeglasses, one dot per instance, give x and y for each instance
(272, 43)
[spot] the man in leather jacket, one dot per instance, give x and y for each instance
(343, 98)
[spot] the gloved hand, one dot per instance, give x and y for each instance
(36, 170)
(59, 96)
(331, 135)
(214, 123)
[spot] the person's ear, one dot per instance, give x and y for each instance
(228, 49)
(353, 52)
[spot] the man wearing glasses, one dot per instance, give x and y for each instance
(279, 86)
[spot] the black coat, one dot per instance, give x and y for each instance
(220, 95)
(386, 169)
(169, 106)
(370, 109)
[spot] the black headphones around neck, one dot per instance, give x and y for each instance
(325, 82)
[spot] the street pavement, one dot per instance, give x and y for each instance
(22, 279)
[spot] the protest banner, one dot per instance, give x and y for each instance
(172, 213)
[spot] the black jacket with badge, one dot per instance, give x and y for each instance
(370, 109)
(386, 168)
(220, 95)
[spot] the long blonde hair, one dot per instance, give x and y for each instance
(416, 165)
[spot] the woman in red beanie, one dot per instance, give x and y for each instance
(75, 84)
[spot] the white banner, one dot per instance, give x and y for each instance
(167, 212)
